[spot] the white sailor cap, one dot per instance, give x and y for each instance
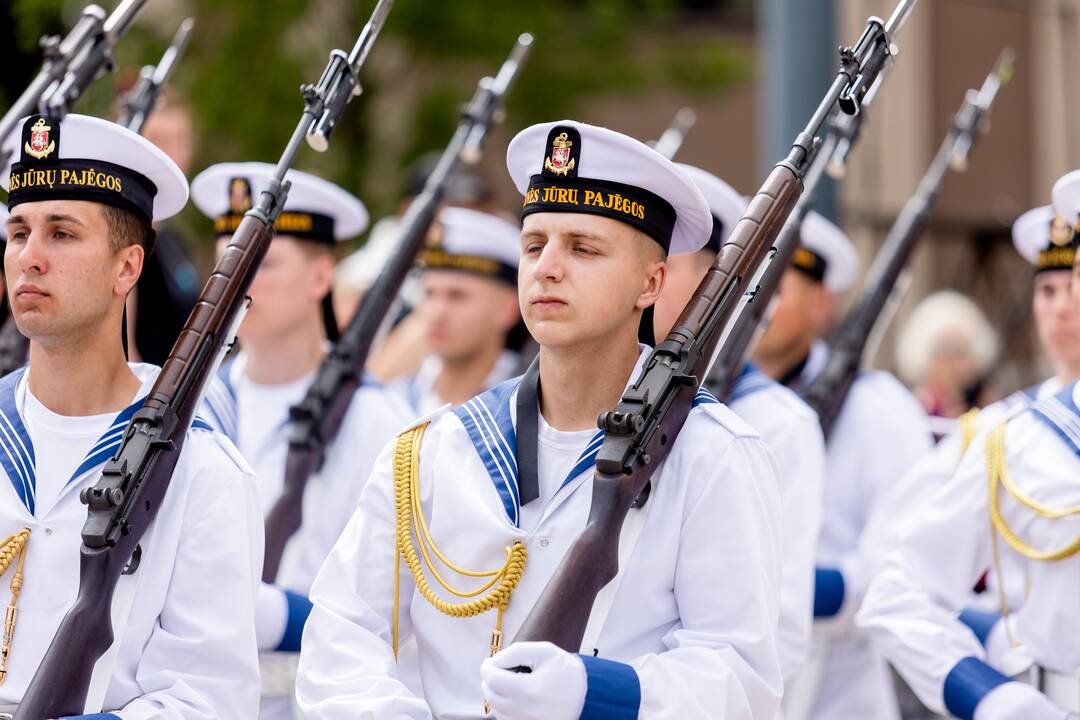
(475, 242)
(1065, 198)
(315, 209)
(826, 254)
(1045, 238)
(86, 158)
(568, 166)
(725, 204)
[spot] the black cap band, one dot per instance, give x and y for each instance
(75, 179)
(439, 259)
(809, 263)
(294, 223)
(632, 205)
(1060, 251)
(715, 236)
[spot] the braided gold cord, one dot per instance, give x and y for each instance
(969, 427)
(409, 518)
(12, 549)
(998, 475)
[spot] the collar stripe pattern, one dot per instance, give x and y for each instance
(17, 456)
(495, 440)
(490, 426)
(749, 381)
(1062, 415)
(220, 401)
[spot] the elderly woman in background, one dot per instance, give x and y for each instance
(947, 347)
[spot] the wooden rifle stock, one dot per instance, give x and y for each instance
(127, 498)
(124, 502)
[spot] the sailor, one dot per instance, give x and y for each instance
(1019, 478)
(502, 485)
(83, 193)
(284, 338)
(880, 433)
(787, 425)
(468, 306)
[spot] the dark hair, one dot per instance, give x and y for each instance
(126, 228)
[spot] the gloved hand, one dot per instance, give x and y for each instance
(1017, 701)
(554, 690)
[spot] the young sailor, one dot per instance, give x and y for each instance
(880, 433)
(283, 338)
(688, 630)
(468, 307)
(83, 193)
(1018, 477)
(787, 425)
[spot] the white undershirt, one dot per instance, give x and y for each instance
(263, 411)
(61, 443)
(556, 453)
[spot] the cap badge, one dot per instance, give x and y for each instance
(39, 145)
(1061, 232)
(434, 239)
(560, 162)
(239, 195)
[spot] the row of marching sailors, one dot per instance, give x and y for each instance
(741, 579)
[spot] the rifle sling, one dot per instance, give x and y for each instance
(528, 406)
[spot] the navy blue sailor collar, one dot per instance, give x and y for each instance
(17, 456)
(490, 419)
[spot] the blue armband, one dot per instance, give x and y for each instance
(299, 609)
(981, 622)
(968, 683)
(613, 691)
(828, 592)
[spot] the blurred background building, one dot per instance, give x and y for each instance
(751, 69)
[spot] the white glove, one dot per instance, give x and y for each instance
(1017, 701)
(554, 690)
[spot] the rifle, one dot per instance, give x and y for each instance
(314, 423)
(140, 100)
(843, 131)
(640, 431)
(70, 65)
(669, 143)
(827, 392)
(125, 500)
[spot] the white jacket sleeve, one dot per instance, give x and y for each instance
(722, 662)
(201, 661)
(800, 462)
(347, 665)
(912, 603)
(901, 437)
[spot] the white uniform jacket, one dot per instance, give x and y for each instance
(373, 418)
(792, 431)
(880, 433)
(695, 613)
(912, 604)
(187, 648)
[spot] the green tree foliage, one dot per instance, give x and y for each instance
(249, 57)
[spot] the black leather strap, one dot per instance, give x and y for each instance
(528, 407)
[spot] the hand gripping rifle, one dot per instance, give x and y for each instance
(843, 131)
(127, 497)
(70, 65)
(827, 392)
(316, 420)
(639, 432)
(141, 99)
